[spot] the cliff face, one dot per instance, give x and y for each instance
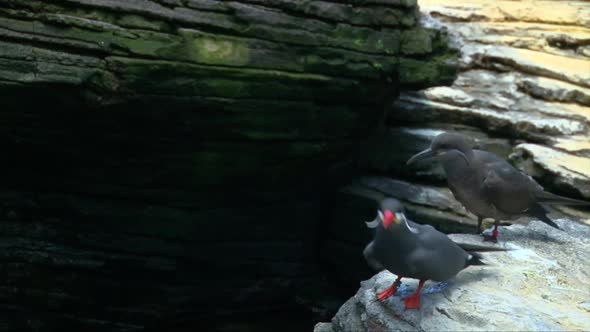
(167, 158)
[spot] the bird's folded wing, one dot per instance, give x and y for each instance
(370, 258)
(509, 190)
(427, 262)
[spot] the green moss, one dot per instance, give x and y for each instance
(102, 81)
(408, 20)
(437, 70)
(165, 77)
(367, 40)
(103, 36)
(387, 42)
(213, 49)
(417, 41)
(351, 59)
(139, 22)
(151, 44)
(380, 45)
(171, 68)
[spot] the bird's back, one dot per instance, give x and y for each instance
(390, 251)
(465, 180)
(490, 187)
(509, 190)
(436, 256)
(419, 251)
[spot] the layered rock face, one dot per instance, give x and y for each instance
(166, 159)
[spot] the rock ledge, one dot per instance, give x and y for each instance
(542, 284)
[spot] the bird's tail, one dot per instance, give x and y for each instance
(472, 247)
(474, 259)
(540, 213)
(549, 198)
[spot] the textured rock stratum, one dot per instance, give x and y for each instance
(541, 283)
(524, 80)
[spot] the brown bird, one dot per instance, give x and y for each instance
(487, 185)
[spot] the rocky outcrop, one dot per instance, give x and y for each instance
(521, 93)
(541, 283)
(524, 80)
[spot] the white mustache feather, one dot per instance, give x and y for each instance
(375, 223)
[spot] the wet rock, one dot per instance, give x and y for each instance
(564, 169)
(323, 327)
(554, 90)
(505, 58)
(548, 12)
(497, 107)
(540, 284)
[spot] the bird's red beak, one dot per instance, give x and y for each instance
(388, 219)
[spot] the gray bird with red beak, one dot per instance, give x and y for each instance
(487, 185)
(411, 250)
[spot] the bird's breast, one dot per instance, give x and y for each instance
(472, 198)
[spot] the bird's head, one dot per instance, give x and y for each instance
(444, 143)
(391, 213)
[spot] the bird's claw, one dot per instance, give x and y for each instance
(490, 238)
(388, 292)
(412, 302)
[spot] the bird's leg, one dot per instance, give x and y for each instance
(413, 301)
(479, 220)
(494, 236)
(391, 290)
(495, 231)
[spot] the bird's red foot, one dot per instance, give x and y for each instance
(391, 290)
(491, 238)
(388, 292)
(412, 302)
